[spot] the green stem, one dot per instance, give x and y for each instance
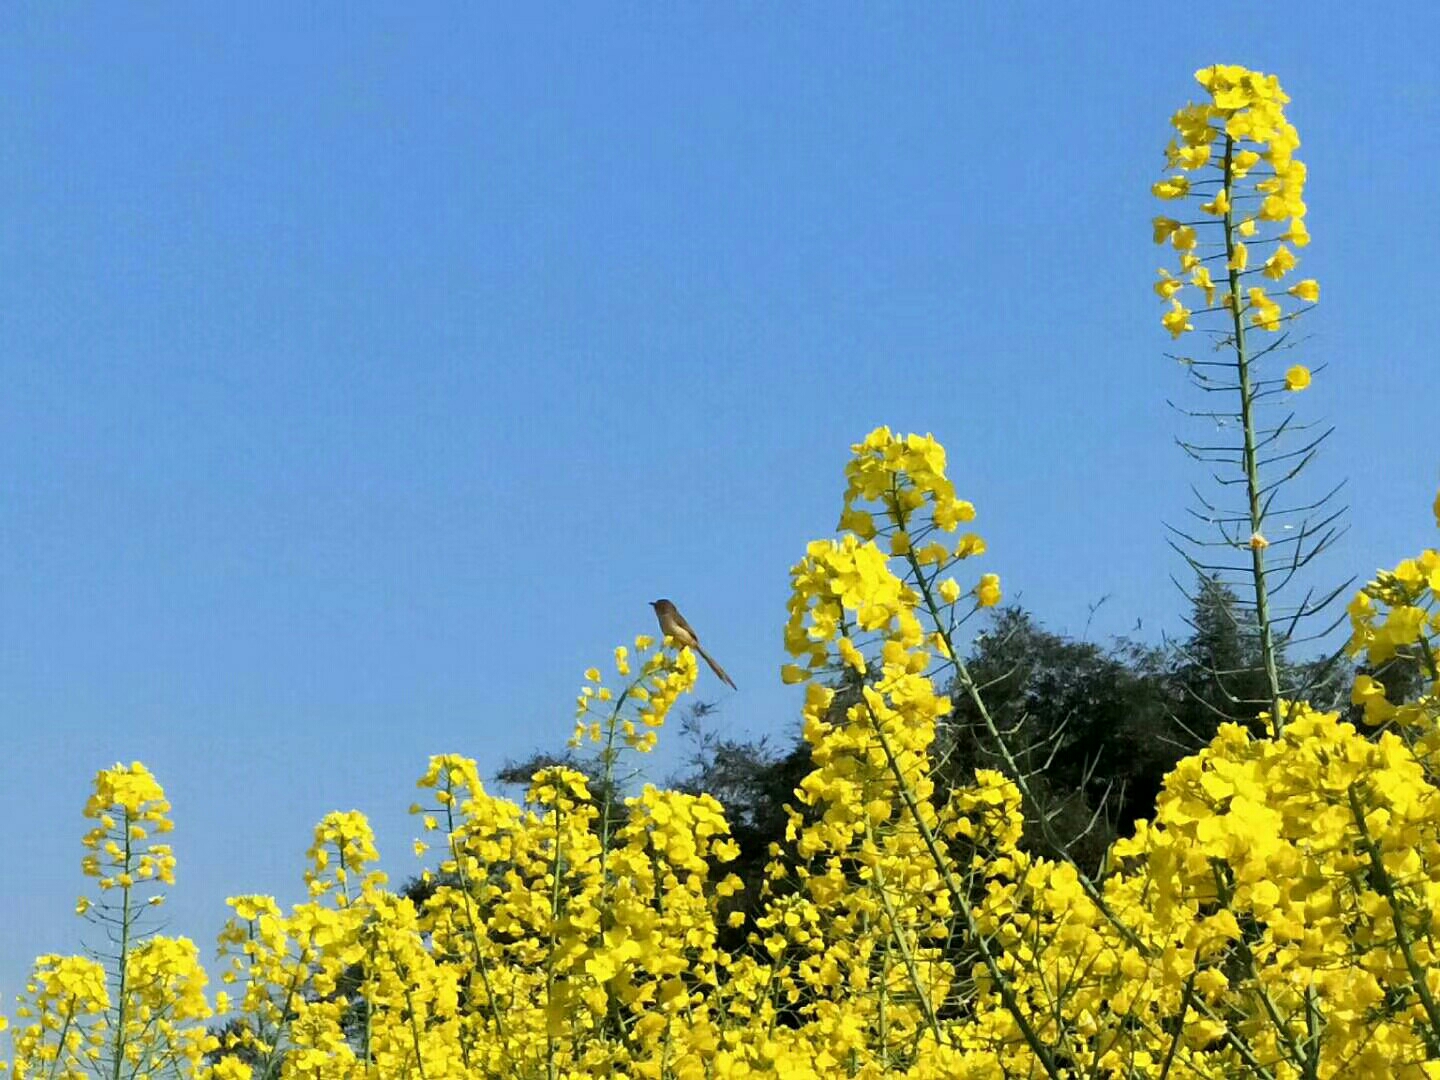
(369, 998)
(1185, 999)
(301, 964)
(1428, 654)
(60, 1042)
(344, 874)
(1314, 1026)
(414, 1029)
(972, 925)
(906, 956)
(882, 1024)
(118, 1046)
(1402, 937)
(551, 1068)
(608, 757)
(1252, 471)
(473, 923)
(1225, 893)
(972, 691)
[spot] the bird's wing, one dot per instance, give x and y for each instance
(680, 622)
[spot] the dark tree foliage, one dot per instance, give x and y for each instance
(1219, 668)
(755, 782)
(1095, 728)
(1089, 726)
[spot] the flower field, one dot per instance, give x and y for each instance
(1277, 916)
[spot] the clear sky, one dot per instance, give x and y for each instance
(364, 373)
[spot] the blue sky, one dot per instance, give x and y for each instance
(363, 374)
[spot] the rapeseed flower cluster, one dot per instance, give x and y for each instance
(1395, 621)
(143, 1009)
(1234, 158)
(631, 718)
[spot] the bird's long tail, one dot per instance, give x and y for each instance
(719, 671)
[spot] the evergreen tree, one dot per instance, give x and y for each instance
(1218, 674)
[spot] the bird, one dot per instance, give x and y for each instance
(673, 624)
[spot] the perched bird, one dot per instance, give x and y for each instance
(673, 624)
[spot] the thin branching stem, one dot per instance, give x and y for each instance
(1252, 474)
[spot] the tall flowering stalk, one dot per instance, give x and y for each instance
(138, 1006)
(1234, 156)
(631, 719)
(849, 611)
